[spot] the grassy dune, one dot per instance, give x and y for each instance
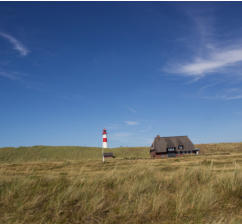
(65, 153)
(44, 184)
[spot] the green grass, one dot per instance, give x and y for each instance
(54, 153)
(43, 184)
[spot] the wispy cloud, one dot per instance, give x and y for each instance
(131, 123)
(226, 94)
(235, 97)
(208, 54)
(223, 97)
(10, 75)
(214, 62)
(17, 45)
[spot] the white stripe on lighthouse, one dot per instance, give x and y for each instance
(105, 145)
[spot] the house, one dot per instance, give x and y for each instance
(172, 146)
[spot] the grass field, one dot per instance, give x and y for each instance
(53, 185)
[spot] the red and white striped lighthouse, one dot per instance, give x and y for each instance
(105, 141)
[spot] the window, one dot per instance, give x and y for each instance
(180, 147)
(171, 149)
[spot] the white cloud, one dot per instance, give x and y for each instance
(214, 62)
(17, 45)
(131, 123)
(210, 54)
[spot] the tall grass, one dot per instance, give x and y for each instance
(218, 148)
(141, 196)
(43, 187)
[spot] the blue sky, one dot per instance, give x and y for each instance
(68, 70)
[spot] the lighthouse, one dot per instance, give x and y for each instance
(105, 145)
(105, 141)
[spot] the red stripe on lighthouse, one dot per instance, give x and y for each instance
(105, 140)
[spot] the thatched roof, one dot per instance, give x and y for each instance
(161, 144)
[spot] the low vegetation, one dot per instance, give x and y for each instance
(49, 185)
